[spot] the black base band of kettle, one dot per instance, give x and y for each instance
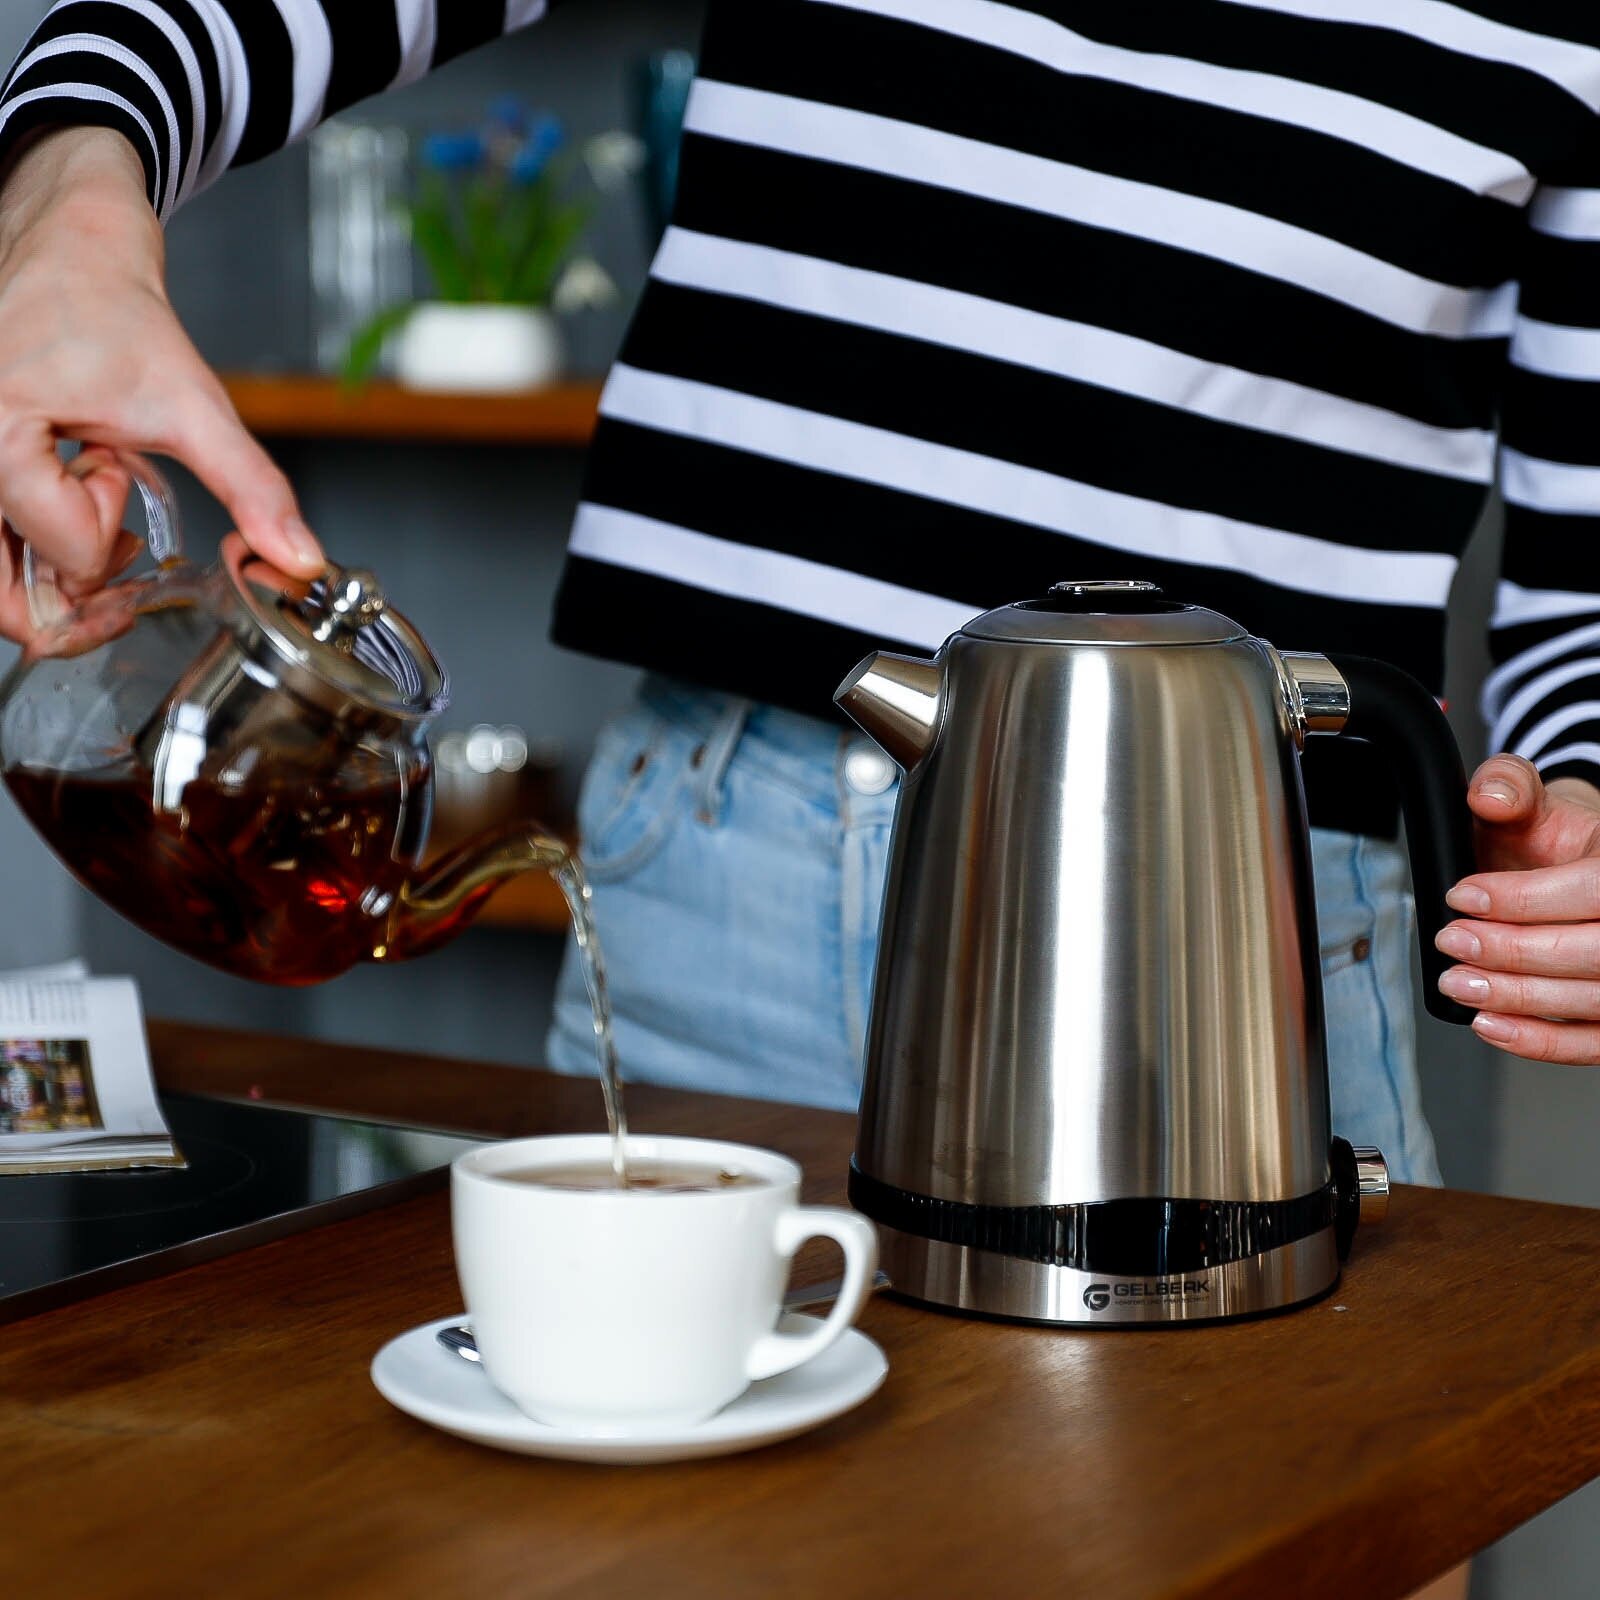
(1145, 1236)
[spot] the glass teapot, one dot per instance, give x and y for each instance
(237, 761)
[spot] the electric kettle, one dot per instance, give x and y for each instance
(1096, 1079)
(237, 760)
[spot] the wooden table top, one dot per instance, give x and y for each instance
(214, 1432)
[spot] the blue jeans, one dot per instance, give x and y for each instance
(737, 854)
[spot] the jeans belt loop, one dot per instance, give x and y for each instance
(715, 756)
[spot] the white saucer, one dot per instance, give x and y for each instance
(419, 1376)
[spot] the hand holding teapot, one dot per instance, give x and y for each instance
(94, 351)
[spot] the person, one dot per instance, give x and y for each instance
(1252, 298)
(959, 299)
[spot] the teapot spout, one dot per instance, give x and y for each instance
(896, 699)
(430, 912)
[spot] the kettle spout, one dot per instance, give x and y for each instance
(896, 699)
(432, 911)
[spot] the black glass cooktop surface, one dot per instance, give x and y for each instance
(255, 1173)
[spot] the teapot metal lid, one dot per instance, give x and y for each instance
(1125, 611)
(334, 641)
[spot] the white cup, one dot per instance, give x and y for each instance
(625, 1311)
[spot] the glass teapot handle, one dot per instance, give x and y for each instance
(164, 533)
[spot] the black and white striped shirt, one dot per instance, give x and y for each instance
(962, 297)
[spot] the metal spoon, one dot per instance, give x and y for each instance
(459, 1338)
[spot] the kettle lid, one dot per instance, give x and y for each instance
(336, 641)
(1106, 611)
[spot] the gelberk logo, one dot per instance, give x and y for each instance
(1097, 1296)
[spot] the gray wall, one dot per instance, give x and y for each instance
(469, 541)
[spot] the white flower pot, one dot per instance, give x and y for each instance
(478, 348)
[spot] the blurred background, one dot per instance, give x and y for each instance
(464, 511)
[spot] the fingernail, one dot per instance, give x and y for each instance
(1468, 897)
(1494, 789)
(303, 542)
(1501, 1029)
(1459, 943)
(1461, 985)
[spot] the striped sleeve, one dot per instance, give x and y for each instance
(1542, 700)
(198, 86)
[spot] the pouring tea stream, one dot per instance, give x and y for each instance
(237, 762)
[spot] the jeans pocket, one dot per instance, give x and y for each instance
(633, 795)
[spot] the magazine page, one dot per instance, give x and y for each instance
(76, 1090)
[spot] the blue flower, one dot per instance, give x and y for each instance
(453, 152)
(545, 137)
(508, 114)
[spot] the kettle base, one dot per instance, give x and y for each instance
(965, 1278)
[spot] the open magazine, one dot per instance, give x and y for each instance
(76, 1090)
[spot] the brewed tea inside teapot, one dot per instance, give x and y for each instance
(237, 761)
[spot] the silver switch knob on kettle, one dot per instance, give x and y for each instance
(1096, 1080)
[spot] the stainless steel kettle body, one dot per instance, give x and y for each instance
(1096, 1081)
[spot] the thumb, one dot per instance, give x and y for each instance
(1507, 792)
(1524, 823)
(218, 449)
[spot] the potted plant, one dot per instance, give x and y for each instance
(498, 220)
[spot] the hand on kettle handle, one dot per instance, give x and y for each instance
(1390, 709)
(164, 535)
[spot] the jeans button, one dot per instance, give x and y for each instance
(868, 770)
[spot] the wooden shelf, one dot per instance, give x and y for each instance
(318, 408)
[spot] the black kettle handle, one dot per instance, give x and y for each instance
(1391, 710)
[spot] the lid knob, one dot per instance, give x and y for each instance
(1106, 586)
(348, 599)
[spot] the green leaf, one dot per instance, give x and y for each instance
(539, 268)
(525, 225)
(433, 227)
(490, 253)
(367, 343)
(446, 262)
